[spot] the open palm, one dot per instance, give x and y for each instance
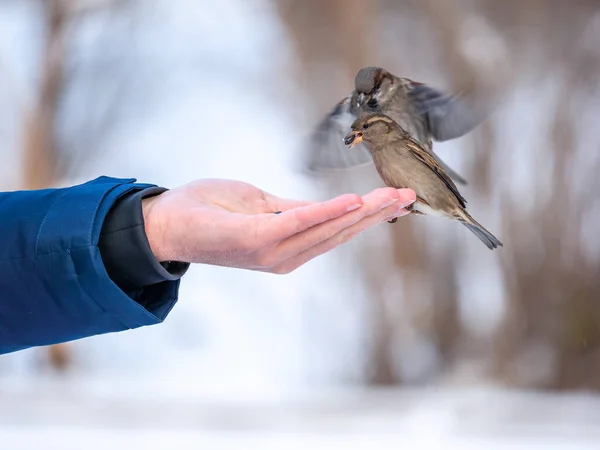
(231, 223)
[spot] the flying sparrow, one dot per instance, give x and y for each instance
(423, 112)
(402, 162)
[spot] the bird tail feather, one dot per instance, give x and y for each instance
(479, 230)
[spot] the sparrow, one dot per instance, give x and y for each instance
(425, 113)
(402, 162)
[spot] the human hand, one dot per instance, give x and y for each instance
(231, 223)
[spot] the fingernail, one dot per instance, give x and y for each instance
(389, 203)
(353, 207)
(406, 203)
(400, 213)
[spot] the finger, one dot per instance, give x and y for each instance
(340, 238)
(293, 221)
(374, 202)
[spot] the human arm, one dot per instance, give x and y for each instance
(60, 278)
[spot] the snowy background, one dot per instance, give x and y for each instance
(168, 92)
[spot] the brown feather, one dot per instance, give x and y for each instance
(430, 162)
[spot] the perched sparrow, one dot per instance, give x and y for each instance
(423, 112)
(402, 162)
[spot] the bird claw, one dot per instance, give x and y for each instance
(394, 220)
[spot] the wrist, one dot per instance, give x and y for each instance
(124, 244)
(153, 228)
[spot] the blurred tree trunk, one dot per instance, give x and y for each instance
(333, 39)
(39, 152)
(40, 158)
(43, 163)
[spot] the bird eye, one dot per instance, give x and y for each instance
(372, 103)
(365, 126)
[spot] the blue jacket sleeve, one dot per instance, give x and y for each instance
(53, 283)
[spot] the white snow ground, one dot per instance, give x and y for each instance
(75, 414)
(229, 367)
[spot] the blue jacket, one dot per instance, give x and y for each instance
(54, 286)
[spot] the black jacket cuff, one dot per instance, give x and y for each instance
(125, 249)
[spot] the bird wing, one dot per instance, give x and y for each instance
(455, 176)
(327, 152)
(422, 155)
(448, 116)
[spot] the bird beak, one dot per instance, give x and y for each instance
(353, 138)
